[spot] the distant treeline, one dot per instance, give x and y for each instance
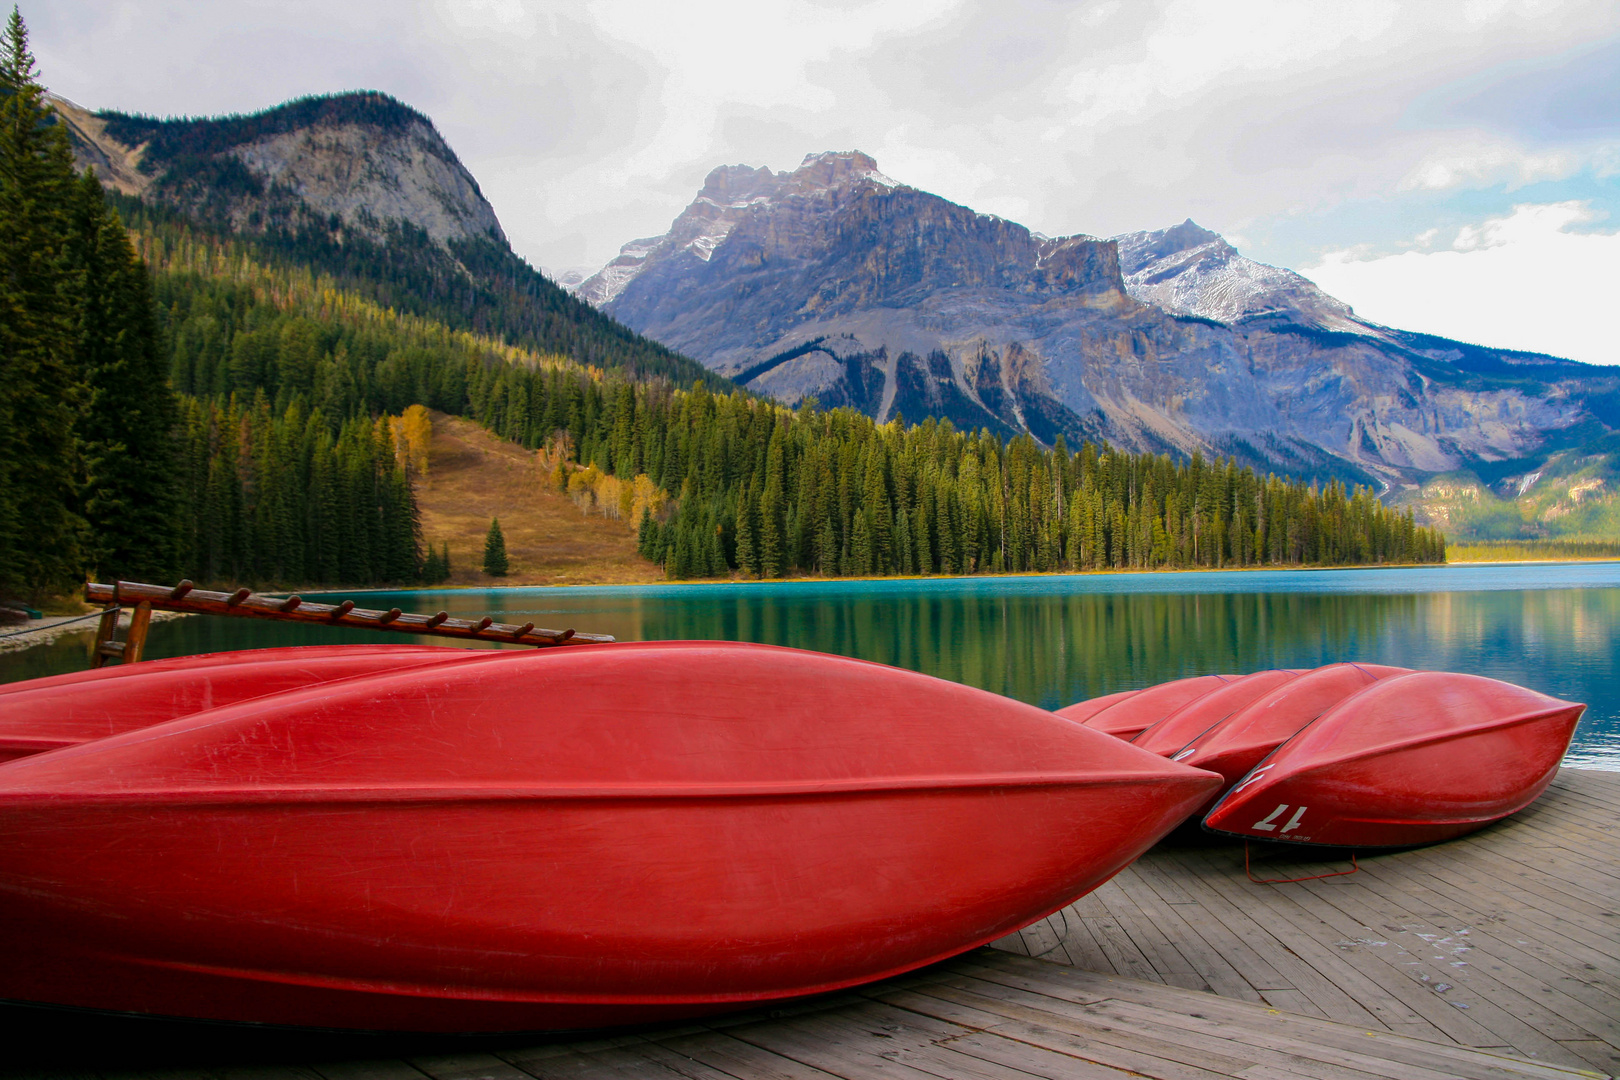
(294, 497)
(1532, 550)
(774, 492)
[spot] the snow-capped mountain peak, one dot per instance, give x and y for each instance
(730, 192)
(830, 169)
(1189, 270)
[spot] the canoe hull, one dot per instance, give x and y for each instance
(1127, 717)
(1170, 735)
(1242, 741)
(40, 715)
(678, 832)
(1413, 759)
(572, 914)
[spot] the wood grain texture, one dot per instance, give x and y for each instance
(1508, 938)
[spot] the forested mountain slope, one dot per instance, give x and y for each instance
(364, 189)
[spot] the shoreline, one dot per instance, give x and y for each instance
(54, 627)
(496, 584)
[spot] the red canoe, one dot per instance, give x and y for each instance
(1170, 735)
(47, 714)
(1125, 718)
(203, 660)
(1408, 760)
(1082, 711)
(562, 839)
(1238, 743)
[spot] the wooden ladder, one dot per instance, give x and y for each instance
(108, 648)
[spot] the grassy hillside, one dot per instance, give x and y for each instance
(474, 476)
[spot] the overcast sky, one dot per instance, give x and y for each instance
(1452, 167)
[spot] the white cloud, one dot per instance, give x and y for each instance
(1195, 46)
(1524, 281)
(719, 53)
(1484, 160)
(589, 123)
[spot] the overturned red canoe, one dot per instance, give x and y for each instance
(203, 660)
(562, 839)
(1238, 743)
(1125, 718)
(1408, 760)
(1082, 711)
(1176, 730)
(51, 713)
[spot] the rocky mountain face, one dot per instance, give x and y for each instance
(835, 282)
(362, 159)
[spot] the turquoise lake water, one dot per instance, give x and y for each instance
(1052, 641)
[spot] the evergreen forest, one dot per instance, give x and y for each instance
(179, 400)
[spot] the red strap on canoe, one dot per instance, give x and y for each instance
(1292, 880)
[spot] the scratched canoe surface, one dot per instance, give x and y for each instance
(1055, 640)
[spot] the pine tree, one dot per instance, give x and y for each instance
(878, 517)
(644, 534)
(717, 557)
(771, 547)
(127, 428)
(40, 533)
(860, 547)
(827, 548)
(748, 534)
(495, 550)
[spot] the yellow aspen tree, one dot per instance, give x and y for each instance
(416, 429)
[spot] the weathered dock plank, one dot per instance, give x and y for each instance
(1509, 938)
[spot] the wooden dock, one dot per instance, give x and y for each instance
(1506, 940)
(1497, 955)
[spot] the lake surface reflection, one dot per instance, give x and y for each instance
(1052, 641)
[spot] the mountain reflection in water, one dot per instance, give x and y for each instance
(1052, 641)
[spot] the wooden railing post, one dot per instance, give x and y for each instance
(135, 639)
(106, 647)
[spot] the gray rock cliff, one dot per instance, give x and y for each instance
(362, 158)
